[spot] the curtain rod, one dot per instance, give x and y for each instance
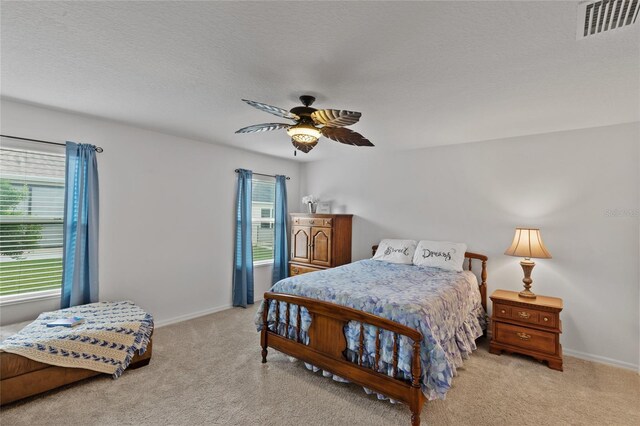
(262, 174)
(97, 148)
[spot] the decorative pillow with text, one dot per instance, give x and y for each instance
(440, 254)
(396, 251)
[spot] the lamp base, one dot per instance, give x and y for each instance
(527, 266)
(528, 294)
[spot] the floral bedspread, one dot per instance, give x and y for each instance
(445, 306)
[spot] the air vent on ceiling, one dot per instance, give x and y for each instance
(598, 17)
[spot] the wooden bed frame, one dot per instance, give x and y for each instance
(327, 343)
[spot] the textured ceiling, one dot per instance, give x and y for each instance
(422, 74)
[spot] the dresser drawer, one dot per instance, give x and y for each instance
(523, 337)
(312, 221)
(502, 311)
(298, 270)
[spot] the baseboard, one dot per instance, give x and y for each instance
(190, 316)
(593, 358)
(601, 359)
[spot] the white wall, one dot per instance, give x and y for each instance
(568, 183)
(166, 212)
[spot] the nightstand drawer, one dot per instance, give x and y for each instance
(523, 337)
(548, 319)
(525, 315)
(533, 316)
(502, 311)
(298, 270)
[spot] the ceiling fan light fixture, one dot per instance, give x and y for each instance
(304, 133)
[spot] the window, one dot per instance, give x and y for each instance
(262, 218)
(31, 214)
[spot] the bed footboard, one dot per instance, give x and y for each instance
(327, 347)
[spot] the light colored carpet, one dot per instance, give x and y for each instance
(208, 371)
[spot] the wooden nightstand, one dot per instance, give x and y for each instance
(527, 326)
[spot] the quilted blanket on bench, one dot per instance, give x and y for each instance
(107, 340)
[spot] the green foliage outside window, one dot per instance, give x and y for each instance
(16, 238)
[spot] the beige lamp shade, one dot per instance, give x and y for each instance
(527, 243)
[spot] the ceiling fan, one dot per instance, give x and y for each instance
(310, 124)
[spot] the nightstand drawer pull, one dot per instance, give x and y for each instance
(525, 315)
(524, 336)
(545, 319)
(502, 311)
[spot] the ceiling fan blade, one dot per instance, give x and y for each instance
(346, 136)
(273, 110)
(335, 117)
(304, 147)
(263, 127)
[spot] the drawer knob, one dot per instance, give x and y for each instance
(524, 336)
(545, 319)
(311, 221)
(295, 270)
(502, 311)
(523, 314)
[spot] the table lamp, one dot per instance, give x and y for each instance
(527, 243)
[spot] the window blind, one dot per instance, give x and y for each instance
(31, 213)
(262, 218)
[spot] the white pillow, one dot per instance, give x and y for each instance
(440, 254)
(396, 251)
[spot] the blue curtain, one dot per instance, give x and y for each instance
(280, 250)
(80, 232)
(243, 254)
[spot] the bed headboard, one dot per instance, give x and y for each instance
(483, 272)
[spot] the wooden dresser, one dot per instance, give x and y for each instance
(319, 241)
(527, 326)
